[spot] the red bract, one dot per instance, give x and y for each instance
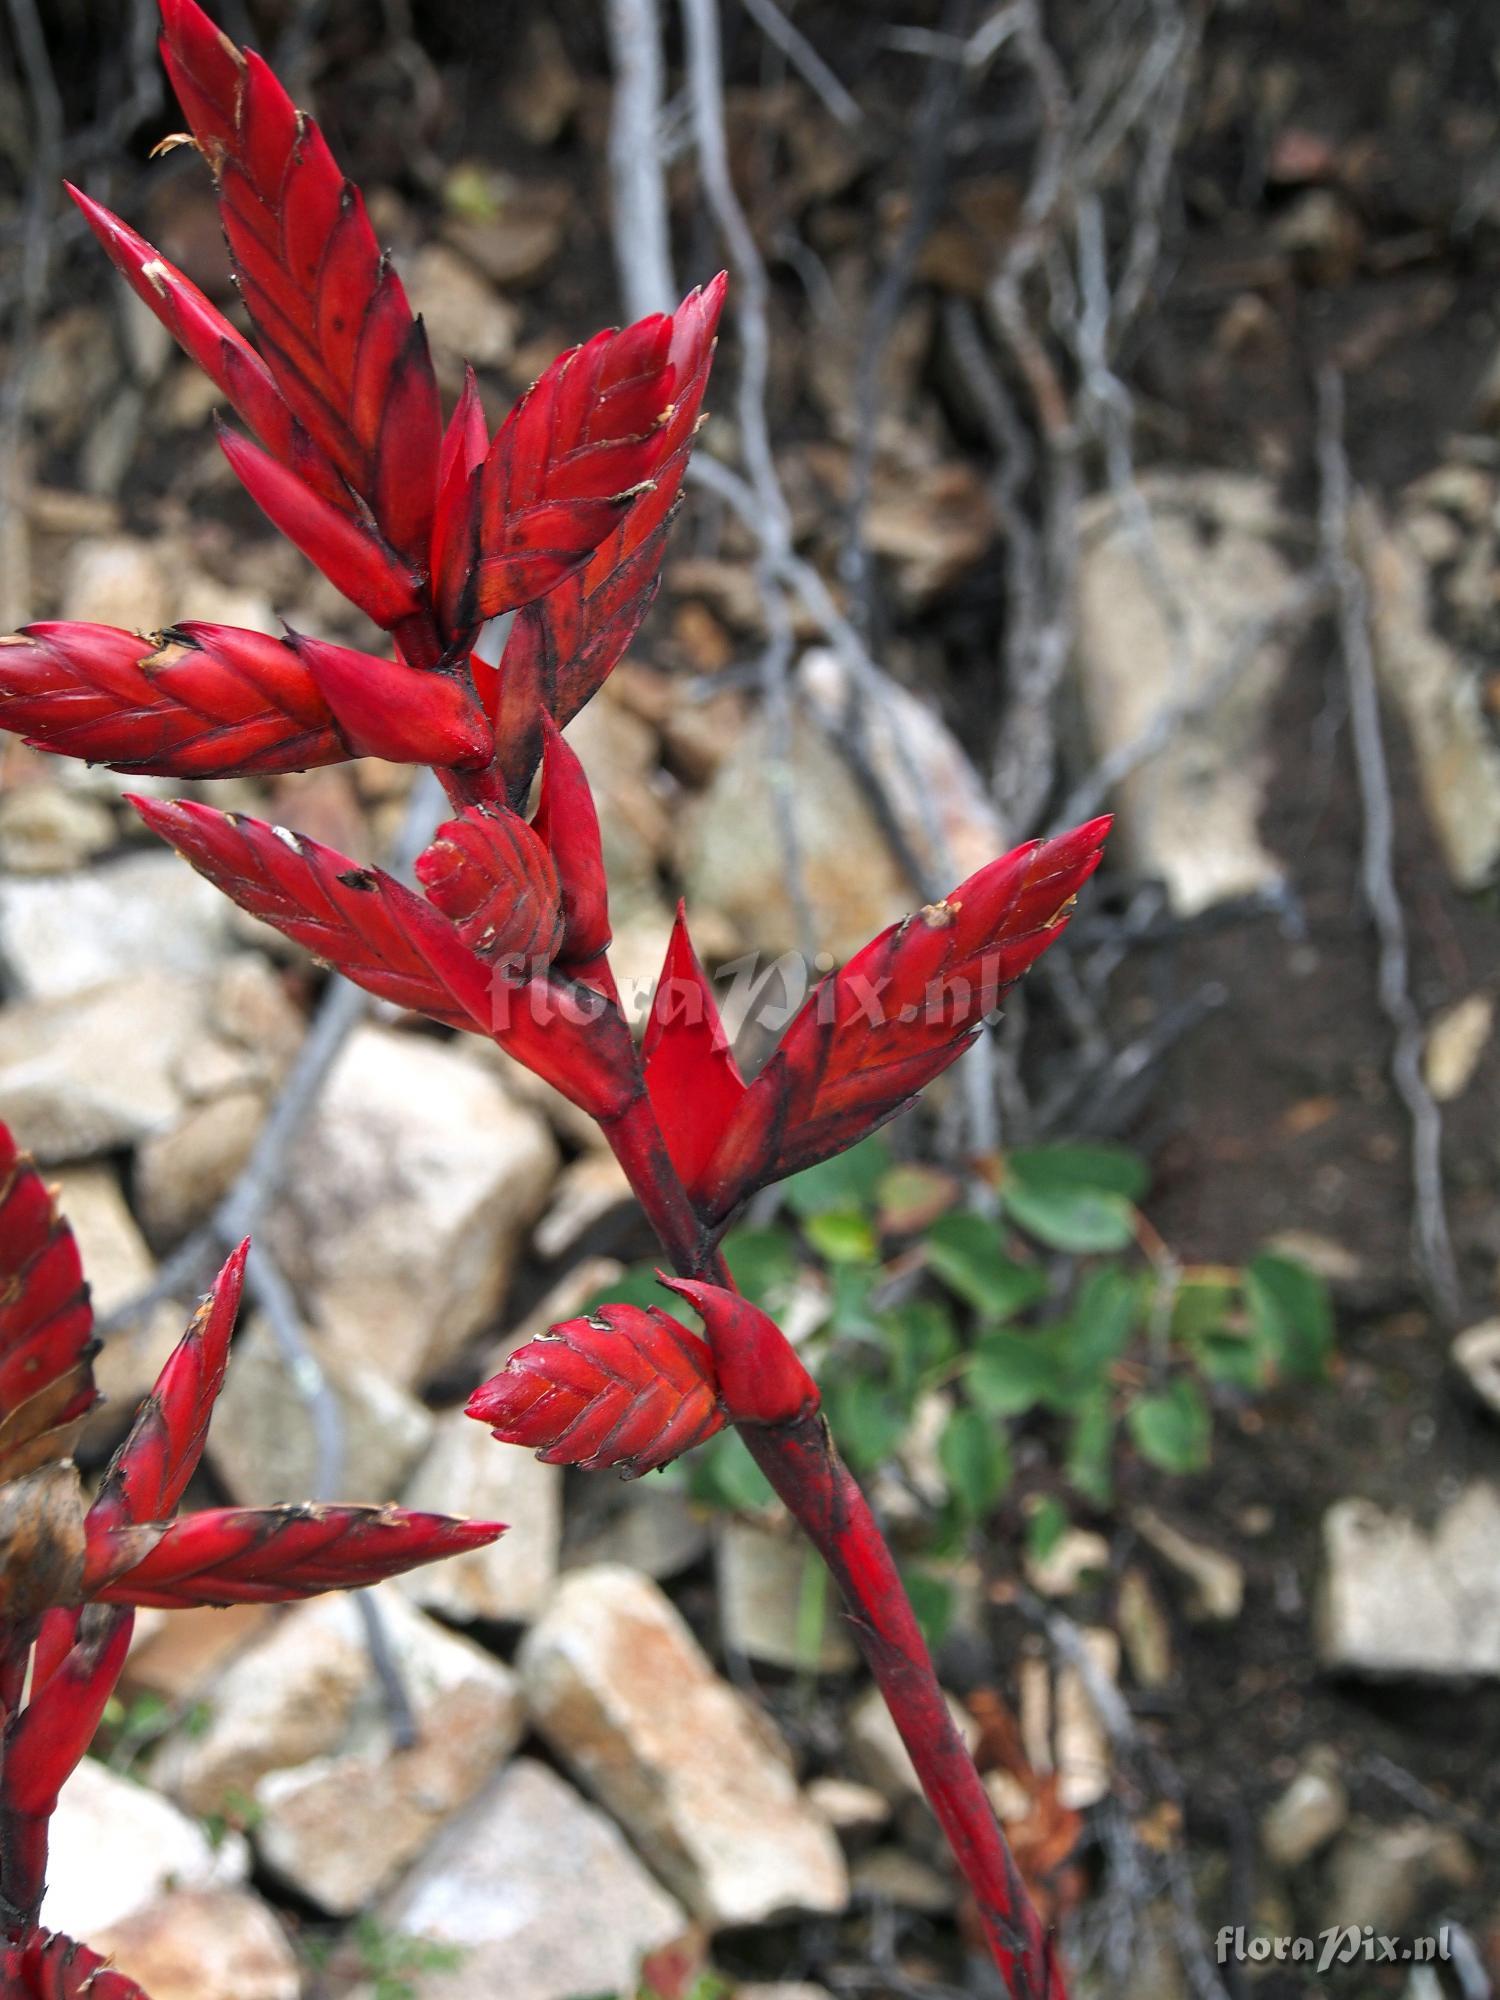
(627, 1386)
(47, 1967)
(71, 1572)
(561, 516)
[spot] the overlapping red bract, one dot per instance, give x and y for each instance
(874, 1034)
(71, 1573)
(628, 1386)
(49, 1967)
(495, 880)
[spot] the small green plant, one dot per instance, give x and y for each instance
(939, 1334)
(390, 1960)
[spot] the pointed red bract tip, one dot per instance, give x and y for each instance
(761, 1378)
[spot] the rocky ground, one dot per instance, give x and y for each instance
(1268, 1691)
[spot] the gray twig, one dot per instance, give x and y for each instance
(805, 59)
(1432, 1241)
(641, 228)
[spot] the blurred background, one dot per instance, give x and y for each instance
(1107, 416)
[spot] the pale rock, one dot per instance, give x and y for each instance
(468, 1471)
(1456, 1041)
(619, 753)
(47, 829)
(263, 1443)
(763, 1580)
(416, 1179)
(691, 1778)
(181, 1175)
(538, 1892)
(463, 314)
(115, 1847)
(1077, 1556)
(512, 250)
(587, 1190)
(1060, 1726)
(1216, 1582)
(1012, 1801)
(1397, 1599)
(891, 1875)
(118, 1267)
(98, 1070)
(204, 1944)
(879, 1755)
(1308, 1814)
(1476, 1353)
(1144, 1631)
(643, 1525)
(119, 580)
(189, 1647)
(1384, 1875)
(1439, 695)
(781, 1989)
(732, 849)
(297, 1725)
(1188, 815)
(143, 912)
(849, 1808)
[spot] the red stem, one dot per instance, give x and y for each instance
(802, 1464)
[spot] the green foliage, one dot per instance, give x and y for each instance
(939, 1334)
(392, 1962)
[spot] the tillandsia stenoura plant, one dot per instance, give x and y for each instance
(560, 518)
(72, 1571)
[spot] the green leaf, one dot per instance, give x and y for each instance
(911, 1198)
(1104, 1315)
(1236, 1359)
(722, 1474)
(1045, 1527)
(1012, 1373)
(1091, 1449)
(850, 1314)
(865, 1420)
(1201, 1307)
(1290, 1309)
(1173, 1429)
(920, 1338)
(1081, 1220)
(764, 1264)
(975, 1460)
(1106, 1169)
(934, 1600)
(967, 1254)
(842, 1236)
(848, 1180)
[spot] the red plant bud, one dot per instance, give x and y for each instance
(46, 1966)
(198, 701)
(691, 1074)
(369, 926)
(150, 1472)
(906, 1006)
(568, 821)
(564, 646)
(46, 1325)
(403, 714)
(330, 314)
(490, 874)
(367, 570)
(628, 1387)
(269, 1555)
(761, 1379)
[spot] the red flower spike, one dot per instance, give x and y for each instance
(269, 1555)
(331, 316)
(872, 1036)
(386, 709)
(360, 920)
(567, 820)
(46, 1740)
(47, 1966)
(761, 1380)
(563, 648)
(455, 525)
(198, 701)
(150, 1472)
(358, 564)
(627, 1387)
(46, 1325)
(691, 1075)
(493, 878)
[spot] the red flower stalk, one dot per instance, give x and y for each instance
(560, 516)
(72, 1572)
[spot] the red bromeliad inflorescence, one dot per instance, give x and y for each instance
(559, 517)
(73, 1570)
